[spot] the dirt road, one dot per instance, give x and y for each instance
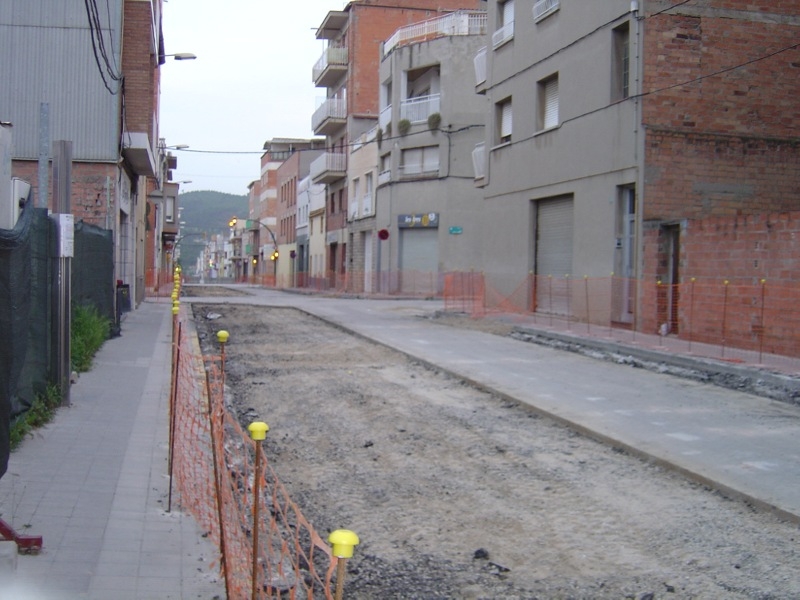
(456, 493)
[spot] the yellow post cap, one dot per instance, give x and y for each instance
(343, 541)
(258, 430)
(176, 309)
(174, 295)
(222, 336)
(176, 303)
(178, 269)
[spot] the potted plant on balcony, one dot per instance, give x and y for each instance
(404, 126)
(434, 120)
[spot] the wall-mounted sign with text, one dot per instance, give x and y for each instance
(429, 220)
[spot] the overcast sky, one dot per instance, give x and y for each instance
(251, 82)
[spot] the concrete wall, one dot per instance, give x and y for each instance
(588, 155)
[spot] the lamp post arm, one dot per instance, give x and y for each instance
(272, 235)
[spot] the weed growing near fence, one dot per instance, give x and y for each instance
(89, 331)
(40, 413)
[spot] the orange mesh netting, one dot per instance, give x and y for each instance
(213, 467)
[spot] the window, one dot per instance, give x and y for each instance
(620, 63)
(368, 185)
(505, 23)
(504, 121)
(420, 161)
(548, 103)
(169, 209)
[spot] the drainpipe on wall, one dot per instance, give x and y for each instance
(639, 150)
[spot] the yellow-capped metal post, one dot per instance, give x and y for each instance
(258, 432)
(343, 541)
(222, 338)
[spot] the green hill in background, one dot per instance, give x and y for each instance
(205, 212)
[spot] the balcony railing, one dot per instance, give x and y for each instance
(385, 117)
(366, 205)
(480, 66)
(417, 110)
(478, 160)
(333, 59)
(329, 167)
(461, 22)
(331, 109)
(503, 34)
(542, 8)
(384, 177)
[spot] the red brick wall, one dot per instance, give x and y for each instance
(138, 64)
(722, 157)
(739, 282)
(89, 193)
(696, 175)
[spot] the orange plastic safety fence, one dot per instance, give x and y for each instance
(214, 471)
(742, 321)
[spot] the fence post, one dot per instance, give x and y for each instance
(763, 327)
(258, 431)
(215, 459)
(569, 303)
(588, 312)
(550, 297)
(691, 311)
(173, 402)
(724, 315)
(658, 313)
(342, 541)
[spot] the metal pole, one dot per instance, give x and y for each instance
(44, 155)
(258, 432)
(62, 293)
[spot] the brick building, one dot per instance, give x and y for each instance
(96, 82)
(643, 146)
(348, 70)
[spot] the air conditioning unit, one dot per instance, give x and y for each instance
(9, 212)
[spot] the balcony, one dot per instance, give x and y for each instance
(385, 117)
(458, 23)
(503, 34)
(417, 110)
(330, 67)
(478, 160)
(480, 66)
(328, 168)
(543, 8)
(384, 177)
(329, 117)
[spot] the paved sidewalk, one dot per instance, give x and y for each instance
(93, 483)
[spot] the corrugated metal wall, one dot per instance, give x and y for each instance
(46, 56)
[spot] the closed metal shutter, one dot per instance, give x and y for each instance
(419, 260)
(551, 103)
(554, 241)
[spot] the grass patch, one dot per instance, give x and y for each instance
(90, 330)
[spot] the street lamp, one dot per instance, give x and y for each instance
(180, 56)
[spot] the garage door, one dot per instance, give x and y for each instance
(554, 241)
(419, 260)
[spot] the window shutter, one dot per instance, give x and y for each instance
(505, 120)
(430, 159)
(508, 12)
(551, 103)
